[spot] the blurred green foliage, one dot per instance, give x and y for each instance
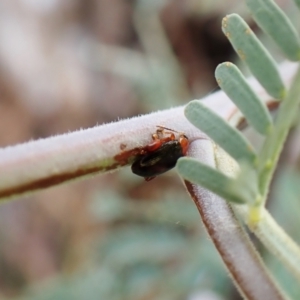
(152, 246)
(148, 250)
(285, 208)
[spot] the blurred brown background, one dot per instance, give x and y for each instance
(66, 65)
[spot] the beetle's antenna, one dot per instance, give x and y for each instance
(163, 127)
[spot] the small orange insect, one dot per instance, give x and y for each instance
(161, 155)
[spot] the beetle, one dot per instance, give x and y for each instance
(161, 155)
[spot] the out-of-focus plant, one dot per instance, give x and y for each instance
(241, 174)
(245, 183)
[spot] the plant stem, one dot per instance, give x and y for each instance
(275, 239)
(271, 235)
(238, 253)
(39, 164)
(268, 158)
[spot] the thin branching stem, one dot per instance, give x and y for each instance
(241, 259)
(275, 239)
(274, 143)
(39, 164)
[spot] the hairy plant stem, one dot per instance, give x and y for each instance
(271, 235)
(32, 166)
(268, 158)
(238, 253)
(275, 239)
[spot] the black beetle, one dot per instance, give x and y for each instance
(162, 159)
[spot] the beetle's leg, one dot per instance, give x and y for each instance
(159, 139)
(184, 142)
(161, 133)
(154, 145)
(155, 137)
(171, 136)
